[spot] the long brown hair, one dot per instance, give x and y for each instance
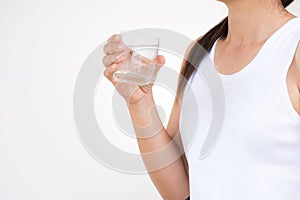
(196, 54)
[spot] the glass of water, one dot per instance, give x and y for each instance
(141, 50)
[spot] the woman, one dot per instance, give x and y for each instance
(256, 53)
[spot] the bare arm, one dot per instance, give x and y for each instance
(172, 180)
(161, 147)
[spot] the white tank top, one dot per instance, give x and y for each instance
(257, 155)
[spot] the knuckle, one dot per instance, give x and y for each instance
(105, 73)
(109, 60)
(113, 36)
(114, 82)
(116, 37)
(110, 38)
(106, 48)
(113, 48)
(104, 60)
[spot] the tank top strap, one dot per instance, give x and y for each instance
(280, 48)
(285, 57)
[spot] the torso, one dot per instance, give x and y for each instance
(256, 153)
(229, 61)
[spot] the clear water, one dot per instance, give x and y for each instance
(131, 77)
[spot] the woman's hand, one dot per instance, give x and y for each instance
(116, 53)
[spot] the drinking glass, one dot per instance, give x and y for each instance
(141, 51)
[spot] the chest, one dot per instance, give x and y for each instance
(230, 60)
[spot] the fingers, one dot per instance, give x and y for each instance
(109, 71)
(115, 38)
(112, 48)
(108, 60)
(113, 59)
(115, 50)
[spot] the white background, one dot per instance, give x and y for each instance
(42, 47)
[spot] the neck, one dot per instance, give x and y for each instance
(252, 21)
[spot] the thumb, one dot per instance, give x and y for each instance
(160, 60)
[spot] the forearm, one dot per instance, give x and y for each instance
(160, 154)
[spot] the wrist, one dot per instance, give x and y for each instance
(138, 103)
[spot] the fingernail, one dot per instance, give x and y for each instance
(120, 46)
(118, 37)
(119, 57)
